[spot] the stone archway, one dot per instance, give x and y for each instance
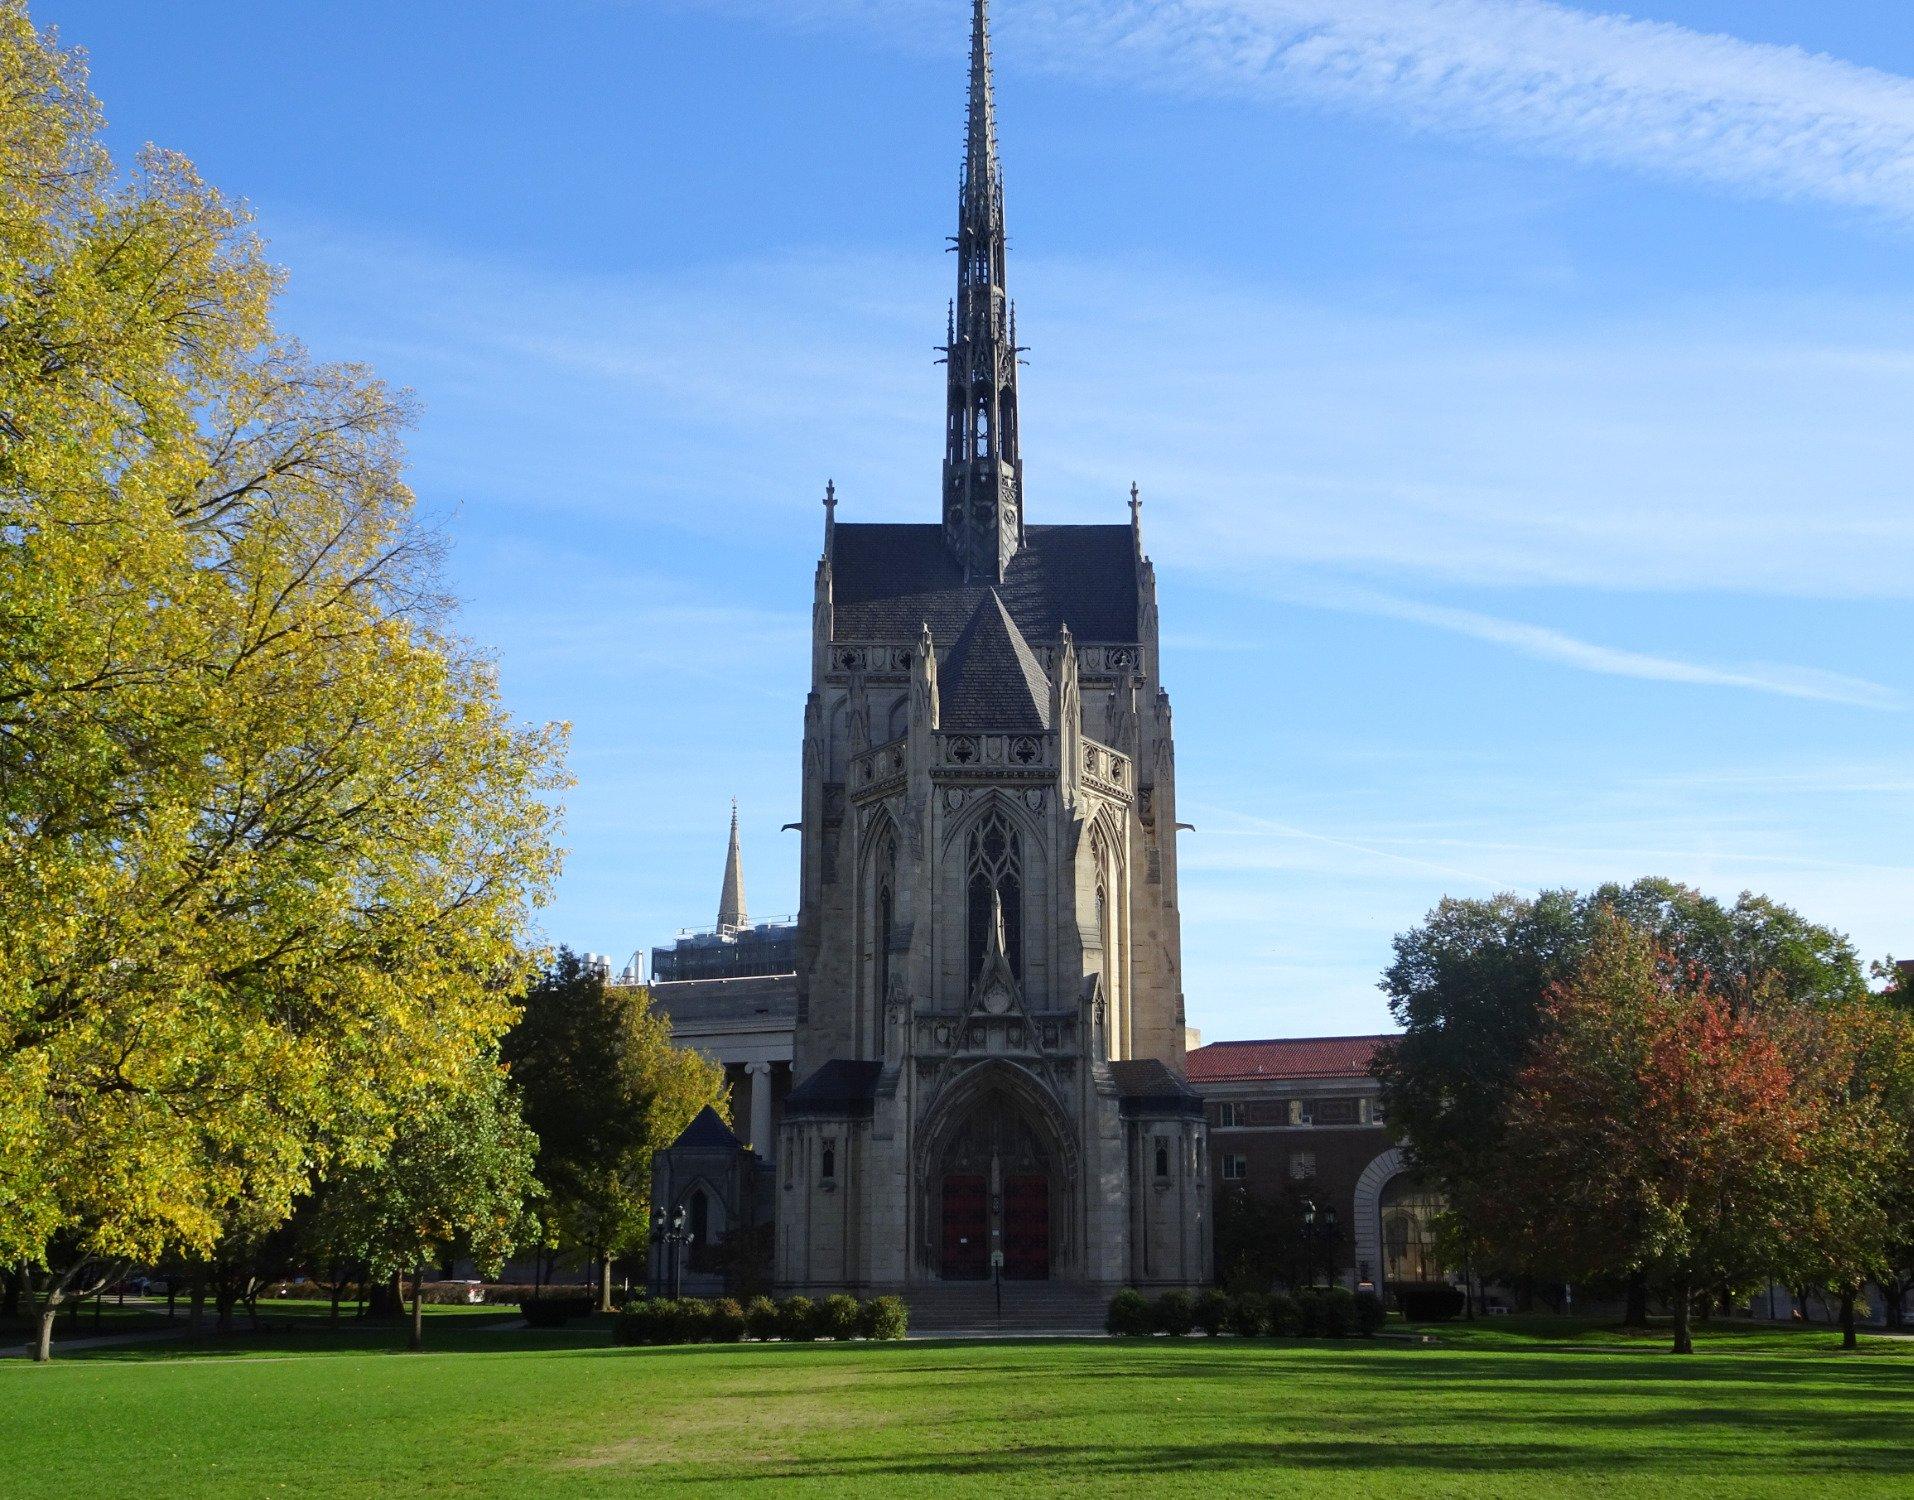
(1368, 1227)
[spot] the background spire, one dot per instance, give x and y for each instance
(731, 914)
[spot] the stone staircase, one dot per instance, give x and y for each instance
(1029, 1307)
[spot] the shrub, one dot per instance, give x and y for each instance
(1175, 1313)
(694, 1321)
(1212, 1311)
(1428, 1301)
(555, 1312)
(797, 1320)
(885, 1318)
(1249, 1314)
(725, 1323)
(1309, 1311)
(637, 1324)
(1284, 1317)
(1130, 1315)
(1368, 1314)
(761, 1318)
(1338, 1316)
(838, 1317)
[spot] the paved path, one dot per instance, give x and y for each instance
(99, 1341)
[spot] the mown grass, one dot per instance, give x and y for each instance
(1495, 1410)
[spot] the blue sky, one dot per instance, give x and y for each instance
(1520, 392)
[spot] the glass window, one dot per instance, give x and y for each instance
(827, 1167)
(1408, 1231)
(1162, 1159)
(1302, 1165)
(1235, 1168)
(1229, 1115)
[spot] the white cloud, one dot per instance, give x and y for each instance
(1546, 644)
(1548, 79)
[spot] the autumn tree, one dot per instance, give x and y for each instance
(456, 1179)
(270, 841)
(1469, 986)
(1655, 1128)
(605, 1090)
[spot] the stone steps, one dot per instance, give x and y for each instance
(1032, 1307)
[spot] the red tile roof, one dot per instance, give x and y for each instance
(1286, 1057)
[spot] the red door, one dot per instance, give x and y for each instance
(966, 1228)
(1027, 1229)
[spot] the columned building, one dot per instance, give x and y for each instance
(989, 1025)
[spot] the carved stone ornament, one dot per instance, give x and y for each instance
(1033, 796)
(953, 798)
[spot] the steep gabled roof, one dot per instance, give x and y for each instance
(889, 580)
(707, 1133)
(993, 679)
(1286, 1057)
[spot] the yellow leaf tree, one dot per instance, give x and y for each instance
(271, 843)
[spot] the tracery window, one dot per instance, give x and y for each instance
(995, 863)
(884, 909)
(1408, 1211)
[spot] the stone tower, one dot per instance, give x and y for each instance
(990, 1014)
(731, 913)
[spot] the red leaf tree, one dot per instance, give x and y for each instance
(1653, 1130)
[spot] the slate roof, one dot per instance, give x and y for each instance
(1287, 1057)
(993, 679)
(707, 1133)
(889, 581)
(842, 1087)
(1147, 1087)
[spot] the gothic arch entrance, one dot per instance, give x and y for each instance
(995, 1187)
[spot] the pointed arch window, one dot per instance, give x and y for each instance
(995, 864)
(884, 911)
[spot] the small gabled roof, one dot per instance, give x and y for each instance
(1145, 1086)
(843, 1087)
(992, 679)
(707, 1133)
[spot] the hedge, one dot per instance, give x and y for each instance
(691, 1320)
(555, 1312)
(1428, 1301)
(1332, 1312)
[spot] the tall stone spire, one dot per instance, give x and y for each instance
(983, 472)
(731, 915)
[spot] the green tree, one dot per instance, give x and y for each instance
(605, 1090)
(271, 843)
(457, 1179)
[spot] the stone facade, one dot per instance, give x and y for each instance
(989, 1029)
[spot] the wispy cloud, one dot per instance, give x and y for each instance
(1548, 79)
(1546, 644)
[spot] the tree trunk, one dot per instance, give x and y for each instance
(43, 1340)
(1684, 1302)
(336, 1289)
(1635, 1315)
(1896, 1293)
(418, 1308)
(604, 1282)
(1848, 1340)
(222, 1306)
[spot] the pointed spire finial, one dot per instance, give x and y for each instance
(1136, 503)
(983, 470)
(731, 914)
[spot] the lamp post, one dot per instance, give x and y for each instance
(668, 1229)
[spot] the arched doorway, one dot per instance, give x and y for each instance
(994, 1191)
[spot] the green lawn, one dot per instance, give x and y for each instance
(1536, 1408)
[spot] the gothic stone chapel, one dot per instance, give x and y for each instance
(989, 1029)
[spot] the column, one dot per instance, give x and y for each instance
(760, 1076)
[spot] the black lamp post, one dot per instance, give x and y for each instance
(668, 1229)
